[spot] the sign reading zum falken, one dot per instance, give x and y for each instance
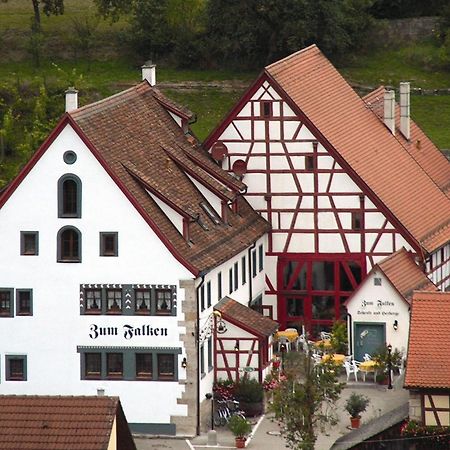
(127, 331)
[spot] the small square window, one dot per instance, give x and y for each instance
(108, 244)
(310, 162)
(166, 367)
(114, 301)
(163, 301)
(142, 298)
(16, 368)
(29, 243)
(266, 109)
(93, 301)
(144, 366)
(356, 220)
(6, 303)
(93, 365)
(114, 365)
(261, 258)
(24, 299)
(377, 281)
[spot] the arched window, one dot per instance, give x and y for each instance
(69, 245)
(69, 196)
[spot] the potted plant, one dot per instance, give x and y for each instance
(355, 405)
(241, 428)
(384, 360)
(250, 394)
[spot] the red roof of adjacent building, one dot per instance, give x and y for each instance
(404, 274)
(428, 363)
(60, 423)
(381, 161)
(246, 318)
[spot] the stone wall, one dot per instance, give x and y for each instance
(415, 406)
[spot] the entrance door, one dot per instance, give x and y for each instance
(368, 338)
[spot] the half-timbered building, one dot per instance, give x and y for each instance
(342, 181)
(428, 369)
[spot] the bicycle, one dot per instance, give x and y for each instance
(225, 409)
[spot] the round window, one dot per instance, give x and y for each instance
(70, 157)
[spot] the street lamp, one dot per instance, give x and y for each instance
(389, 361)
(283, 351)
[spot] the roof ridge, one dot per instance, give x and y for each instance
(293, 55)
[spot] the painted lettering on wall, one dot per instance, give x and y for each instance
(377, 308)
(127, 331)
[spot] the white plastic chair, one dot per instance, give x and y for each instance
(351, 369)
(324, 335)
(356, 366)
(284, 340)
(367, 357)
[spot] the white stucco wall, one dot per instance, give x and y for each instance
(50, 337)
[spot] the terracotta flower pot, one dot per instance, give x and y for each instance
(355, 421)
(240, 442)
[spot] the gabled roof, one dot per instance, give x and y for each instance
(143, 149)
(404, 274)
(428, 356)
(60, 423)
(345, 122)
(246, 318)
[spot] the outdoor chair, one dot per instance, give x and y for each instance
(356, 366)
(324, 335)
(283, 340)
(367, 357)
(351, 369)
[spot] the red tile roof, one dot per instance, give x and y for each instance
(365, 144)
(57, 423)
(145, 149)
(246, 318)
(428, 363)
(405, 274)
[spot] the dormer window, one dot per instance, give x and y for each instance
(69, 196)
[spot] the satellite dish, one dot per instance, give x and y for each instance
(239, 167)
(219, 151)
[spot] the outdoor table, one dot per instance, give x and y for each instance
(370, 366)
(291, 335)
(325, 343)
(337, 358)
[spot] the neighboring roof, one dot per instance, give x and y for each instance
(245, 317)
(369, 430)
(144, 150)
(404, 274)
(429, 332)
(330, 106)
(57, 423)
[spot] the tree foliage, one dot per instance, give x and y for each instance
(305, 399)
(397, 9)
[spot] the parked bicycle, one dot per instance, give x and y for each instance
(225, 409)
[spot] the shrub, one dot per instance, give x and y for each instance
(239, 426)
(249, 391)
(339, 342)
(356, 404)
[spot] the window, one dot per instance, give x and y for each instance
(208, 293)
(210, 360)
(202, 297)
(29, 243)
(254, 263)
(356, 220)
(163, 301)
(202, 361)
(109, 244)
(377, 281)
(114, 365)
(93, 301)
(6, 303)
(266, 109)
(114, 301)
(219, 286)
(166, 366)
(69, 157)
(142, 298)
(310, 162)
(244, 270)
(69, 196)
(16, 368)
(24, 299)
(144, 366)
(230, 280)
(69, 245)
(93, 365)
(261, 258)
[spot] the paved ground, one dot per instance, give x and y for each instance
(266, 431)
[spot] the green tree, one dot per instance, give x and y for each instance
(305, 400)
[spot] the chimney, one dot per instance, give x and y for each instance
(71, 99)
(404, 109)
(149, 73)
(389, 110)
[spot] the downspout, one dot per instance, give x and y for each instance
(350, 335)
(197, 340)
(250, 278)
